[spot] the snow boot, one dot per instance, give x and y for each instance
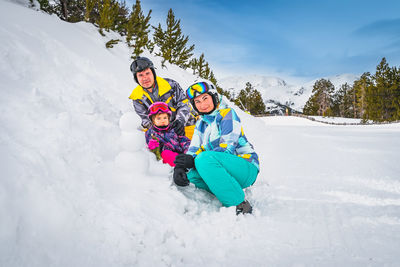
(244, 207)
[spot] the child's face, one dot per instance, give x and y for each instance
(161, 119)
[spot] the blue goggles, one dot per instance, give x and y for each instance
(198, 89)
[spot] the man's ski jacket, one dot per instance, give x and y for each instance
(170, 93)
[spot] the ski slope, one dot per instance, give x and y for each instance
(79, 188)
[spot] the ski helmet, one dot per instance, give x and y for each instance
(156, 108)
(200, 88)
(140, 64)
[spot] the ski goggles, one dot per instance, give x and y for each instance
(159, 107)
(198, 89)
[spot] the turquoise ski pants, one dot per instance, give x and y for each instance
(224, 175)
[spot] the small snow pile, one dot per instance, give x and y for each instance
(131, 158)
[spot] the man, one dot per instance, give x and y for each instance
(156, 89)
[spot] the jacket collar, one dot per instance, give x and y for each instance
(139, 92)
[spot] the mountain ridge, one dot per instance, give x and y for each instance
(277, 93)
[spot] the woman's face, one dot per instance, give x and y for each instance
(204, 103)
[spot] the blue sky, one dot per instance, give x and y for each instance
(307, 39)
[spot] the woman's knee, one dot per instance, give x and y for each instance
(203, 159)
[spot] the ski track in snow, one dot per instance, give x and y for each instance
(79, 187)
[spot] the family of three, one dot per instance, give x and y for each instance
(197, 133)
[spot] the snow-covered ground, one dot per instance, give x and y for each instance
(78, 187)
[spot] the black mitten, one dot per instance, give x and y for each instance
(184, 161)
(180, 177)
(179, 127)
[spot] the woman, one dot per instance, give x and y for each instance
(220, 158)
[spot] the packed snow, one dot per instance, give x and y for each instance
(338, 120)
(79, 188)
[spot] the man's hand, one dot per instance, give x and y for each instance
(179, 127)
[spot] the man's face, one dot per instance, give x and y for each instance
(145, 78)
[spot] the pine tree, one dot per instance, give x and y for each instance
(396, 93)
(193, 64)
(108, 14)
(90, 4)
(45, 6)
(92, 10)
(206, 72)
(372, 103)
(348, 104)
(311, 106)
(122, 18)
(172, 42)
(241, 99)
(76, 10)
(225, 93)
(375, 95)
(382, 94)
(68, 10)
(372, 97)
(108, 11)
(258, 106)
(320, 101)
(392, 95)
(199, 66)
(64, 10)
(337, 101)
(138, 29)
(250, 100)
(212, 78)
(360, 88)
(382, 81)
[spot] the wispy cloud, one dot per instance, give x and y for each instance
(303, 38)
(376, 40)
(382, 28)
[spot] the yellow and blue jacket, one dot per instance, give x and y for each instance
(169, 92)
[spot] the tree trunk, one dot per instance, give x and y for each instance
(64, 10)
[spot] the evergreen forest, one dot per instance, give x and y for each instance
(373, 97)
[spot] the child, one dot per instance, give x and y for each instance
(161, 135)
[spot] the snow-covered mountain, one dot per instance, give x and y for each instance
(275, 90)
(79, 188)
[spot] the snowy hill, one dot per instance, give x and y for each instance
(79, 188)
(277, 91)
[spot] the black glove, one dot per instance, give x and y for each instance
(180, 177)
(179, 127)
(184, 161)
